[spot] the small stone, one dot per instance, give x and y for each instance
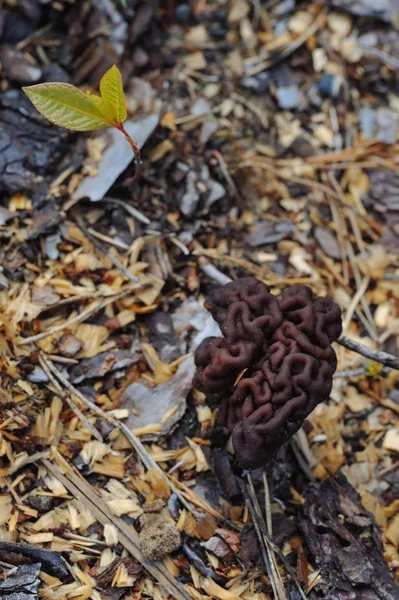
(259, 83)
(158, 538)
(140, 56)
(340, 23)
(17, 68)
(191, 196)
(183, 13)
(289, 98)
(217, 31)
(330, 85)
(387, 126)
(351, 50)
(37, 376)
(368, 122)
(299, 22)
(284, 7)
(42, 504)
(69, 345)
(220, 15)
(54, 72)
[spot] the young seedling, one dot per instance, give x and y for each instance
(65, 105)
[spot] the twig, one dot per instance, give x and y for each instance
(197, 501)
(268, 512)
(280, 55)
(130, 209)
(354, 302)
(95, 433)
(82, 317)
(377, 355)
(115, 261)
(350, 373)
(262, 544)
(225, 172)
(86, 296)
(267, 539)
(258, 112)
(301, 461)
(108, 240)
(212, 272)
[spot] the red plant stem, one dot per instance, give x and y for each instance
(135, 149)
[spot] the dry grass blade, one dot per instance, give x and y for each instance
(127, 536)
(115, 261)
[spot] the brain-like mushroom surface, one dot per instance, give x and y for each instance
(272, 365)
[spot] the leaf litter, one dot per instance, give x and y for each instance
(257, 160)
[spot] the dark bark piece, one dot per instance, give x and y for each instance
(345, 544)
(21, 583)
(29, 146)
(272, 366)
(18, 553)
(103, 363)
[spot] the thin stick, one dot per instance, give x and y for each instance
(262, 545)
(354, 302)
(95, 433)
(272, 559)
(377, 355)
(268, 539)
(130, 209)
(82, 317)
(115, 261)
(268, 512)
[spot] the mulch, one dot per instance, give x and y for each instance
(269, 135)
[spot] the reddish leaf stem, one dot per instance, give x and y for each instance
(135, 149)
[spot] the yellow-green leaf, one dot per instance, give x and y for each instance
(111, 89)
(65, 105)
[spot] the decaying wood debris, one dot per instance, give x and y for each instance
(270, 134)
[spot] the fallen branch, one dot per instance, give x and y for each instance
(377, 355)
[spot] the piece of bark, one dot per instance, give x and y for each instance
(29, 145)
(345, 544)
(21, 583)
(148, 405)
(18, 553)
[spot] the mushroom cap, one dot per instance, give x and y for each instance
(272, 365)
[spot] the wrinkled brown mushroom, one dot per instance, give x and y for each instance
(272, 366)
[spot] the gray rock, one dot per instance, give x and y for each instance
(17, 67)
(387, 126)
(386, 10)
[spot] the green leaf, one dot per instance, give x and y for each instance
(111, 89)
(65, 105)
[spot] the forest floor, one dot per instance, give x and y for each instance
(269, 137)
